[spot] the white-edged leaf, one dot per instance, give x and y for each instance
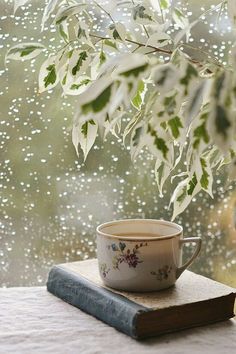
(184, 32)
(130, 126)
(48, 10)
(183, 194)
(19, 3)
(79, 62)
(162, 172)
(195, 101)
(82, 33)
(84, 134)
(75, 88)
(138, 99)
(117, 31)
(24, 51)
(159, 39)
(231, 7)
(165, 77)
(63, 31)
(142, 14)
(137, 141)
(180, 19)
(67, 11)
(48, 76)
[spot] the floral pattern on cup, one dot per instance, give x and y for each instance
(104, 269)
(124, 255)
(162, 273)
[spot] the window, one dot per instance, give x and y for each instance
(52, 201)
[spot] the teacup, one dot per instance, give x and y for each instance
(142, 254)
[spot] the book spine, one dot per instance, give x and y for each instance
(109, 307)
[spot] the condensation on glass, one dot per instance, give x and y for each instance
(51, 202)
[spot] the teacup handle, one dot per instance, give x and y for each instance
(198, 242)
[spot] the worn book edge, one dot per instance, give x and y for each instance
(117, 310)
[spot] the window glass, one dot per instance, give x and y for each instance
(51, 202)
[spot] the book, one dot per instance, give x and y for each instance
(194, 300)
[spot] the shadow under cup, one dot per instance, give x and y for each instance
(141, 254)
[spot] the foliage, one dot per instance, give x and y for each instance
(178, 108)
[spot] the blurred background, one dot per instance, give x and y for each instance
(51, 202)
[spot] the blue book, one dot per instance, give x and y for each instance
(194, 300)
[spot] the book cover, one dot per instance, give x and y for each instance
(193, 301)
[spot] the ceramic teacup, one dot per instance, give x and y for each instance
(142, 254)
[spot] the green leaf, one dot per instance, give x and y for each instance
(110, 43)
(84, 128)
(191, 72)
(175, 126)
(24, 51)
(140, 11)
(51, 76)
(82, 83)
(138, 98)
(135, 72)
(98, 103)
(164, 4)
(158, 142)
(82, 57)
(115, 34)
(192, 184)
(170, 104)
(137, 135)
(204, 181)
(102, 58)
(222, 121)
(62, 32)
(182, 196)
(200, 133)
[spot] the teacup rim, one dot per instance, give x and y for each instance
(131, 238)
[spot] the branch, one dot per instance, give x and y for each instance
(155, 50)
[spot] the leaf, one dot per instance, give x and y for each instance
(175, 126)
(19, 3)
(159, 40)
(179, 18)
(184, 32)
(117, 31)
(195, 101)
(231, 7)
(142, 15)
(81, 57)
(110, 44)
(95, 99)
(137, 101)
(63, 31)
(190, 74)
(165, 4)
(48, 77)
(51, 77)
(162, 172)
(48, 10)
(135, 71)
(82, 33)
(183, 194)
(165, 77)
(67, 11)
(158, 142)
(200, 134)
(99, 103)
(84, 134)
(204, 181)
(82, 83)
(25, 51)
